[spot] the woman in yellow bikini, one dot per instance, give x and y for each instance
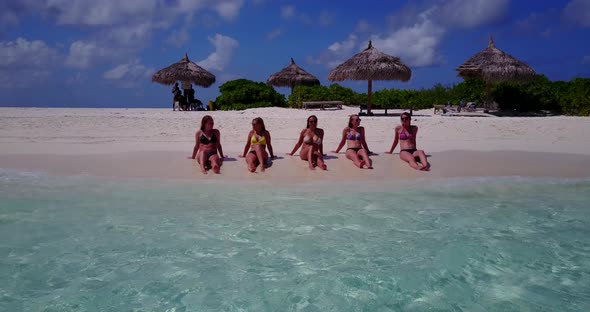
(310, 141)
(207, 150)
(357, 149)
(258, 141)
(406, 135)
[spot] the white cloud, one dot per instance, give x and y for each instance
(224, 50)
(179, 37)
(578, 12)
(470, 13)
(24, 62)
(417, 30)
(274, 33)
(85, 54)
(362, 26)
(229, 9)
(25, 53)
(288, 11)
(128, 75)
(101, 13)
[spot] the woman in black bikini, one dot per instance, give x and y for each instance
(406, 133)
(313, 149)
(357, 149)
(207, 150)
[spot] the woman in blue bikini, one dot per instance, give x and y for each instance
(357, 149)
(207, 150)
(406, 135)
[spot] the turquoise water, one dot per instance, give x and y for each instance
(93, 244)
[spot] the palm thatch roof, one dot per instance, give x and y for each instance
(184, 70)
(371, 64)
(292, 76)
(494, 65)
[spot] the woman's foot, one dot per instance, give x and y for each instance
(204, 171)
(216, 169)
(324, 167)
(425, 168)
(361, 164)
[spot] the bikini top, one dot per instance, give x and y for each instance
(308, 139)
(406, 136)
(205, 140)
(254, 140)
(354, 137)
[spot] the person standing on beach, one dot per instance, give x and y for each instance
(406, 134)
(177, 96)
(357, 149)
(256, 144)
(208, 150)
(311, 138)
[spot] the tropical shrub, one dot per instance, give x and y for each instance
(243, 94)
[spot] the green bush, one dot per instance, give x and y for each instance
(243, 94)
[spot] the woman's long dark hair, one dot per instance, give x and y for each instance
(310, 117)
(204, 121)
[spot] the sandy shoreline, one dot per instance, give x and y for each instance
(156, 142)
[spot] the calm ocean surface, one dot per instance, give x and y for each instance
(473, 244)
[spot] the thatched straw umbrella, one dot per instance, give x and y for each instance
(184, 70)
(371, 64)
(292, 76)
(494, 65)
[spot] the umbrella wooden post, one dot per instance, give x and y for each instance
(369, 96)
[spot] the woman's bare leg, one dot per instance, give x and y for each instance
(202, 161)
(310, 157)
(215, 163)
(251, 161)
(409, 158)
(365, 156)
(352, 155)
(423, 161)
(260, 153)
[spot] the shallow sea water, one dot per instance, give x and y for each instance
(473, 244)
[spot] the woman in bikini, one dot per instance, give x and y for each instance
(357, 149)
(207, 150)
(406, 135)
(256, 144)
(312, 150)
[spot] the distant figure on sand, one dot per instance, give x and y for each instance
(177, 97)
(357, 149)
(256, 144)
(207, 150)
(407, 134)
(311, 138)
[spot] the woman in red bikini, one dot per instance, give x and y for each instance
(406, 133)
(357, 149)
(207, 150)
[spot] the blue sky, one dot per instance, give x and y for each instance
(83, 53)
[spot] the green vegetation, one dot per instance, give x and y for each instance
(559, 97)
(243, 94)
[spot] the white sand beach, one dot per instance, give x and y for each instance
(157, 142)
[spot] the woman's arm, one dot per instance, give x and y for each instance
(363, 141)
(247, 147)
(197, 144)
(269, 144)
(395, 140)
(298, 144)
(219, 148)
(342, 141)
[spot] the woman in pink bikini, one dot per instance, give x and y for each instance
(406, 133)
(357, 149)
